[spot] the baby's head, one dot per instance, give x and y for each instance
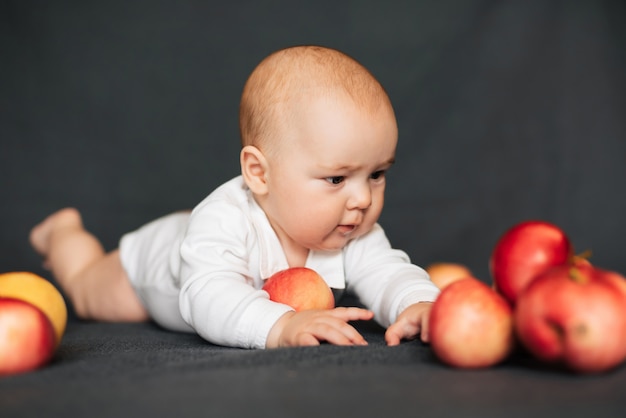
(289, 79)
(318, 134)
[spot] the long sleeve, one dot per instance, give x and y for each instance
(219, 297)
(384, 278)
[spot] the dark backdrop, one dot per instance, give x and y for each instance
(507, 110)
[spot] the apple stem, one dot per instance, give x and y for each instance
(584, 256)
(577, 276)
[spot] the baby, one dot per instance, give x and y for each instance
(318, 135)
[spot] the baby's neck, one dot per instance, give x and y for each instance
(296, 257)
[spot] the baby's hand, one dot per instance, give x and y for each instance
(411, 322)
(311, 327)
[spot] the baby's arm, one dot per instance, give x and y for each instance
(397, 291)
(315, 326)
(411, 322)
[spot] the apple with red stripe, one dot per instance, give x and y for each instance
(301, 288)
(471, 325)
(575, 316)
(27, 337)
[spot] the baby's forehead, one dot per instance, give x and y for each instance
(289, 78)
(295, 70)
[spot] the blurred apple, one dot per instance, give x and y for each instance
(301, 288)
(618, 280)
(444, 273)
(36, 290)
(27, 337)
(471, 325)
(574, 315)
(524, 251)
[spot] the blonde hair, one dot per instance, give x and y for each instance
(297, 73)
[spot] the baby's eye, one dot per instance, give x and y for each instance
(335, 179)
(377, 174)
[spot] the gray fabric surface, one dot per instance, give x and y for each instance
(139, 370)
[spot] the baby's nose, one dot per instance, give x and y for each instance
(361, 197)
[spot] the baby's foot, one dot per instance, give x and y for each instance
(41, 233)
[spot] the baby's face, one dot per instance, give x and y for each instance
(327, 180)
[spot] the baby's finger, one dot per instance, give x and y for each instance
(307, 339)
(400, 330)
(339, 333)
(391, 337)
(424, 331)
(352, 314)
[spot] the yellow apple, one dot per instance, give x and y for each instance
(444, 273)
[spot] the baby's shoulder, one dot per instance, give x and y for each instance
(233, 193)
(227, 207)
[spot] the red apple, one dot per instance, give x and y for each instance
(471, 325)
(524, 251)
(618, 280)
(301, 288)
(574, 315)
(27, 337)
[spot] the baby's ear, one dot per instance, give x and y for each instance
(253, 169)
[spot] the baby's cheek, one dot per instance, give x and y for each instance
(368, 223)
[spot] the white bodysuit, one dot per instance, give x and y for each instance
(202, 272)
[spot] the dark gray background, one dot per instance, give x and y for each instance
(507, 110)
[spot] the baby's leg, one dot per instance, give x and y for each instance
(95, 282)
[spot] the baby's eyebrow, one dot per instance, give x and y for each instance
(389, 162)
(352, 167)
(339, 167)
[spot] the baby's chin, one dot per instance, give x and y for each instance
(332, 247)
(327, 247)
(337, 240)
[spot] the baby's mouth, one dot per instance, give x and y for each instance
(346, 229)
